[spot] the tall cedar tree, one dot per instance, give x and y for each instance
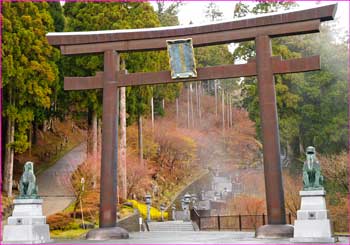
(29, 74)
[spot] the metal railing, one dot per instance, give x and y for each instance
(146, 225)
(252, 222)
(231, 222)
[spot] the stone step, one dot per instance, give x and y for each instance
(168, 227)
(177, 225)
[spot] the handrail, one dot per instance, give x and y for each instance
(195, 217)
(146, 224)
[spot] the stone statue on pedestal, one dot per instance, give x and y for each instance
(27, 224)
(28, 188)
(312, 223)
(312, 177)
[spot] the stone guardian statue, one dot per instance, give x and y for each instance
(313, 224)
(27, 184)
(27, 224)
(312, 177)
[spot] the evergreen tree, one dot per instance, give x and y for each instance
(29, 74)
(56, 12)
(311, 106)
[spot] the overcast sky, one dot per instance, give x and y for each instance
(195, 11)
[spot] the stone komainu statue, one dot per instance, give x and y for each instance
(312, 177)
(27, 184)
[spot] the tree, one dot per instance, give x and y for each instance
(56, 12)
(323, 107)
(287, 99)
(334, 168)
(167, 15)
(29, 74)
(82, 16)
(123, 146)
(212, 56)
(213, 13)
(312, 107)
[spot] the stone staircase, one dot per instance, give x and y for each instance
(177, 225)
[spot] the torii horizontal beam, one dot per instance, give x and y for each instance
(322, 13)
(216, 72)
(198, 40)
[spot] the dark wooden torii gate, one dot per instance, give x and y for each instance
(265, 66)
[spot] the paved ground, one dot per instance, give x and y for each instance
(53, 183)
(190, 237)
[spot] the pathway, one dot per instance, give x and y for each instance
(190, 237)
(53, 182)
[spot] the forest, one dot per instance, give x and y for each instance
(171, 134)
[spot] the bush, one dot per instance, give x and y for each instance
(60, 221)
(142, 208)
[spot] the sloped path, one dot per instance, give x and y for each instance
(53, 183)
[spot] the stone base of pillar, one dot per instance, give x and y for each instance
(274, 231)
(108, 233)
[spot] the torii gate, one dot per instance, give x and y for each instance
(265, 66)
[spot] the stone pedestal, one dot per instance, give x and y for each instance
(274, 231)
(27, 223)
(107, 233)
(313, 224)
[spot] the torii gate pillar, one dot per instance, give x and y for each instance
(271, 144)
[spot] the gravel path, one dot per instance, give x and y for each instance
(53, 183)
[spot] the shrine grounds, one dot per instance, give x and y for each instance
(191, 237)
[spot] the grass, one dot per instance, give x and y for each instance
(68, 234)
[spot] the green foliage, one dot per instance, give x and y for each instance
(213, 55)
(323, 108)
(110, 16)
(29, 70)
(311, 106)
(56, 13)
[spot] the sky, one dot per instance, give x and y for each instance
(195, 11)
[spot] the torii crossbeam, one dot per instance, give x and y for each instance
(265, 66)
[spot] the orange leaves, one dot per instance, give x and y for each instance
(246, 205)
(334, 168)
(138, 177)
(292, 185)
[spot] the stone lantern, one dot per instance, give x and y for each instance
(162, 209)
(148, 200)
